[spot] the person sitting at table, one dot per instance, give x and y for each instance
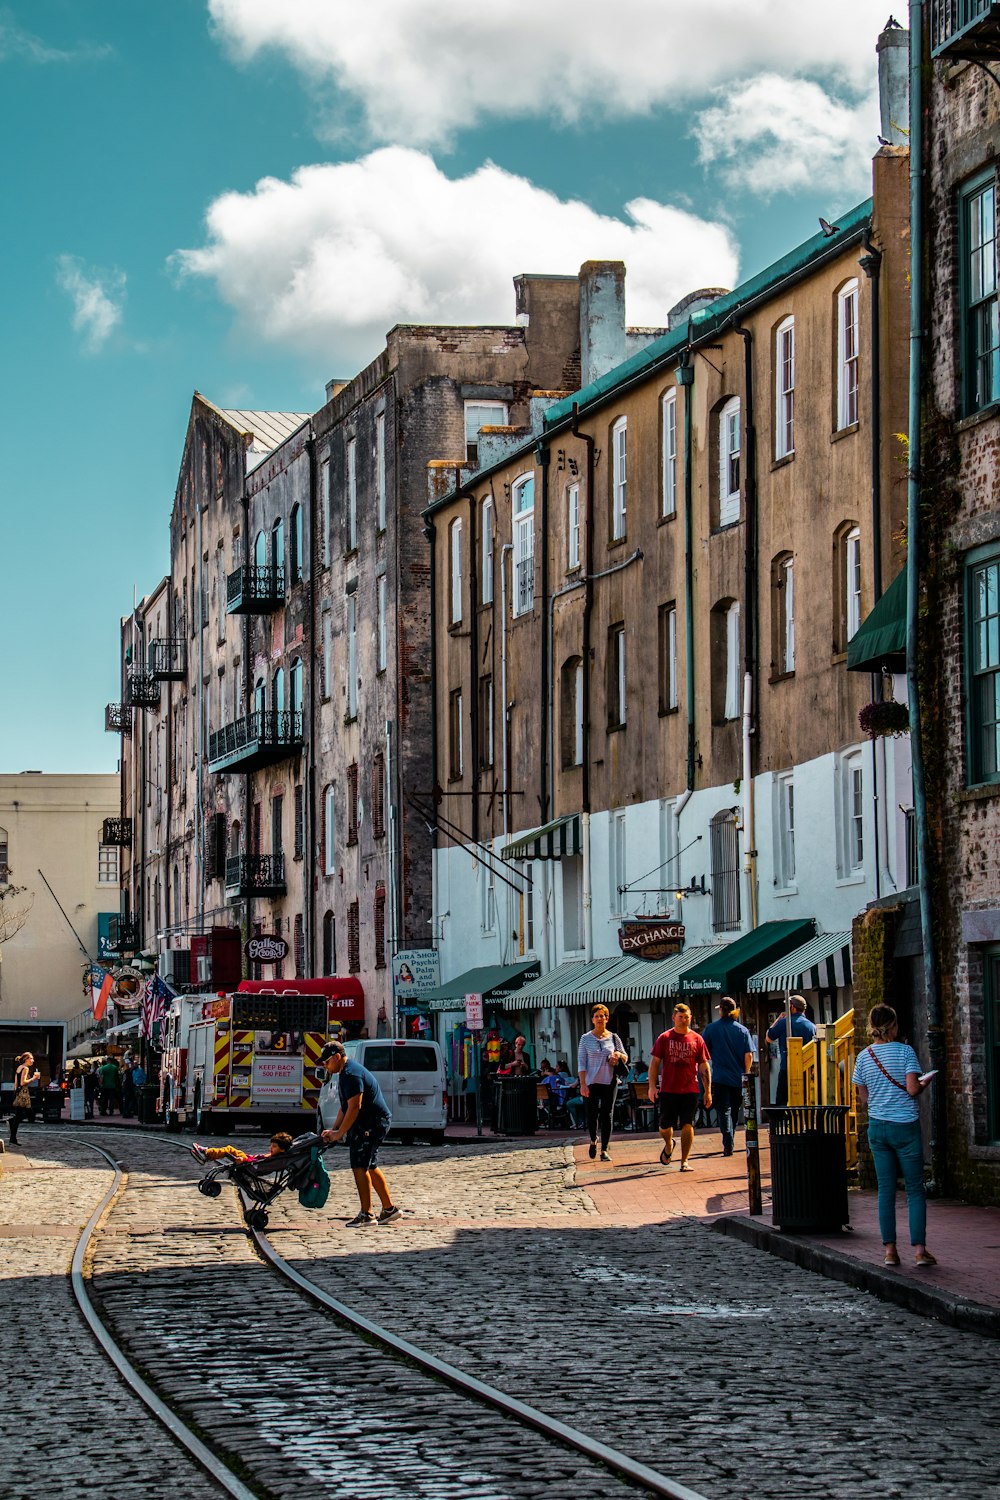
(638, 1071)
(564, 1087)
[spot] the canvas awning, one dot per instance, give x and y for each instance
(822, 964)
(571, 983)
(609, 981)
(726, 969)
(493, 981)
(553, 840)
(880, 639)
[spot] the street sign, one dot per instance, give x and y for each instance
(474, 1012)
(651, 937)
(266, 949)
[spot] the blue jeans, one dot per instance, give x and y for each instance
(727, 1098)
(898, 1148)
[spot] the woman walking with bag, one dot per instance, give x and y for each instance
(23, 1078)
(599, 1060)
(889, 1081)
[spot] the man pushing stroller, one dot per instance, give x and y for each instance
(363, 1120)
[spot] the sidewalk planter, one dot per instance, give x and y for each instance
(516, 1106)
(884, 720)
(808, 1166)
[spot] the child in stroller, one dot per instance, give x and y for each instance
(294, 1164)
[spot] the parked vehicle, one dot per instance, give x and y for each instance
(411, 1075)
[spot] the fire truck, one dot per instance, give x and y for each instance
(250, 1058)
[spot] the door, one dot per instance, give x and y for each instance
(418, 1082)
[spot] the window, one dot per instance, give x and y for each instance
(295, 681)
(729, 462)
(256, 847)
(488, 897)
(619, 478)
(299, 834)
(784, 389)
(980, 330)
(571, 712)
(107, 863)
(378, 796)
(455, 550)
(378, 917)
(381, 635)
(352, 803)
(854, 813)
(725, 647)
(616, 676)
(571, 866)
(846, 584)
(352, 656)
(354, 938)
(299, 946)
(784, 831)
(324, 506)
(326, 635)
(853, 581)
(523, 511)
(204, 591)
(847, 355)
(485, 730)
(486, 528)
(667, 650)
(220, 592)
(329, 832)
(573, 526)
(480, 414)
(278, 547)
(295, 544)
(351, 536)
(329, 944)
(380, 470)
(455, 734)
(991, 1038)
(983, 670)
(277, 812)
(669, 417)
(782, 615)
(617, 863)
(260, 550)
(278, 694)
(725, 843)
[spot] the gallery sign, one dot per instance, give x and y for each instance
(652, 938)
(266, 949)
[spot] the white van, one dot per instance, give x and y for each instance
(411, 1076)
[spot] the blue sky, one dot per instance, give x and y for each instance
(241, 198)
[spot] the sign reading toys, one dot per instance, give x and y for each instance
(266, 949)
(651, 937)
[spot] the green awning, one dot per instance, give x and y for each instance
(880, 639)
(552, 841)
(572, 983)
(608, 980)
(492, 981)
(727, 970)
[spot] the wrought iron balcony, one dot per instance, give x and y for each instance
(124, 936)
(260, 739)
(117, 831)
(255, 875)
(255, 591)
(118, 718)
(143, 690)
(167, 660)
(965, 29)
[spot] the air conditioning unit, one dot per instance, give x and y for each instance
(204, 968)
(175, 966)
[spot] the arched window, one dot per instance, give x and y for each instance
(329, 831)
(329, 943)
(782, 615)
(725, 648)
(847, 354)
(234, 839)
(296, 686)
(455, 548)
(522, 504)
(571, 712)
(784, 388)
(260, 550)
(295, 544)
(278, 545)
(278, 692)
(260, 697)
(486, 530)
(729, 462)
(846, 584)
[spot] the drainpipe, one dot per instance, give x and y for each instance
(871, 265)
(684, 375)
(542, 457)
(430, 532)
(588, 604)
(199, 815)
(750, 628)
(475, 752)
(506, 549)
(308, 878)
(248, 699)
(935, 1026)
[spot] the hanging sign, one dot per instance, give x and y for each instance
(266, 949)
(652, 938)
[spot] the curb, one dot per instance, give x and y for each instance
(926, 1301)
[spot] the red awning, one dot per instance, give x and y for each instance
(347, 993)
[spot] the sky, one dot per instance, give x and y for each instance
(241, 197)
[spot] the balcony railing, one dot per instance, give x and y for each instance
(255, 875)
(167, 660)
(255, 591)
(260, 739)
(117, 831)
(124, 936)
(118, 718)
(143, 690)
(965, 29)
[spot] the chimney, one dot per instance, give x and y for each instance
(894, 83)
(602, 318)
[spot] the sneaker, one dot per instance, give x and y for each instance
(388, 1214)
(361, 1221)
(593, 1150)
(198, 1152)
(605, 1156)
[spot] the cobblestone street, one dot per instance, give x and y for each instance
(736, 1374)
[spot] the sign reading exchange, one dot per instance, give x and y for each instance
(651, 937)
(266, 949)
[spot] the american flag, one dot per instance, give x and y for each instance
(155, 996)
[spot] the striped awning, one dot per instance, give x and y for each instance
(570, 983)
(552, 841)
(608, 980)
(824, 963)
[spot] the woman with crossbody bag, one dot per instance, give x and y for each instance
(601, 1061)
(889, 1081)
(23, 1078)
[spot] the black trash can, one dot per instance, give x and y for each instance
(516, 1105)
(808, 1166)
(52, 1104)
(146, 1096)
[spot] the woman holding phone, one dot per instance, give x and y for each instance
(888, 1078)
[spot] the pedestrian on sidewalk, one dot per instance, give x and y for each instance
(599, 1054)
(678, 1057)
(802, 1027)
(730, 1048)
(363, 1119)
(889, 1081)
(109, 1086)
(25, 1074)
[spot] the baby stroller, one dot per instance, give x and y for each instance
(300, 1168)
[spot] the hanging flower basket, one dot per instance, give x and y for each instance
(884, 719)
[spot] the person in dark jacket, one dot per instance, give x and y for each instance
(730, 1046)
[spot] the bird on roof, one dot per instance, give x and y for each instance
(883, 142)
(892, 25)
(827, 228)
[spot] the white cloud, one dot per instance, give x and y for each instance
(98, 299)
(773, 134)
(421, 69)
(332, 259)
(16, 42)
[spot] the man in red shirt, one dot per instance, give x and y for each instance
(677, 1058)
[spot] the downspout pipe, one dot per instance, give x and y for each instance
(871, 265)
(751, 651)
(310, 863)
(685, 379)
(430, 532)
(588, 605)
(542, 458)
(935, 1027)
